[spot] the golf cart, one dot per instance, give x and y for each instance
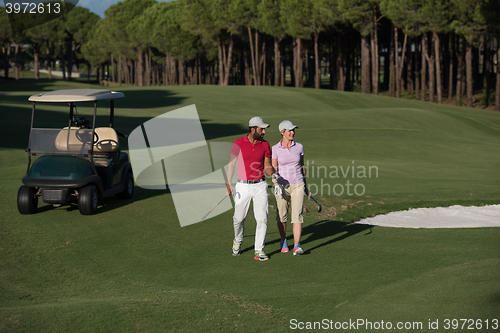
(77, 164)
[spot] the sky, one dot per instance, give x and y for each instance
(99, 6)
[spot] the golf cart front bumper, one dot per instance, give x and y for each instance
(57, 191)
(55, 195)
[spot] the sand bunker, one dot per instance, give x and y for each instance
(441, 217)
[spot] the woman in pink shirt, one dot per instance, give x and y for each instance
(288, 161)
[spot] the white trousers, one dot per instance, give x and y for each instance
(244, 193)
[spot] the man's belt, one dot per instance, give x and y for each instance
(251, 181)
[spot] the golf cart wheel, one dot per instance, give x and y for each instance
(128, 190)
(27, 202)
(87, 200)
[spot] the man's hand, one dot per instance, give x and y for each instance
(229, 189)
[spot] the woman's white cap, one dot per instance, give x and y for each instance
(257, 121)
(287, 125)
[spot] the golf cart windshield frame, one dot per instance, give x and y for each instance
(73, 141)
(67, 141)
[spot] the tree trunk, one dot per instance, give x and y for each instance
(221, 63)
(339, 65)
(277, 62)
(332, 69)
(119, 69)
(439, 84)
(182, 72)
(195, 71)
(174, 77)
(451, 66)
(409, 70)
(257, 57)
(317, 71)
(262, 63)
(254, 52)
(468, 74)
(16, 61)
(49, 62)
(157, 69)
(460, 73)
(397, 68)
(432, 78)
(139, 75)
(392, 67)
(112, 69)
(417, 85)
(70, 61)
(252, 56)
(282, 70)
(411, 67)
(486, 70)
(475, 67)
(399, 63)
(130, 72)
(423, 70)
(365, 65)
(375, 56)
(417, 70)
(349, 59)
(147, 70)
(37, 69)
(5, 61)
(297, 57)
(63, 68)
(497, 93)
(229, 58)
(189, 73)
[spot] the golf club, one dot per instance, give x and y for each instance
(319, 206)
(214, 207)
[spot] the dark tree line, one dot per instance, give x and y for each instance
(433, 49)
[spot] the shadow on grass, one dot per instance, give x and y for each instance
(325, 231)
(111, 203)
(105, 204)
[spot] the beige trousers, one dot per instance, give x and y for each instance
(293, 198)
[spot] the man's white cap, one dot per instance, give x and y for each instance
(287, 125)
(257, 121)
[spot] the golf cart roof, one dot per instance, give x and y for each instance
(75, 95)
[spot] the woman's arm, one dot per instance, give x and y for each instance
(303, 169)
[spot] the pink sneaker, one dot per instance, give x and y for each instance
(284, 246)
(297, 250)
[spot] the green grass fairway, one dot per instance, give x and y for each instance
(132, 268)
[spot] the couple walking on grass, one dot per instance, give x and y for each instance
(285, 164)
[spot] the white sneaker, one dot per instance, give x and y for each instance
(260, 255)
(236, 248)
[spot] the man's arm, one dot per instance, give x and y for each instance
(274, 163)
(268, 167)
(230, 172)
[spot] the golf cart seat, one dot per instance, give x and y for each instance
(73, 140)
(106, 147)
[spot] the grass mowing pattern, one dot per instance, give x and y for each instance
(132, 267)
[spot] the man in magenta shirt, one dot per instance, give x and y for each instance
(253, 155)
